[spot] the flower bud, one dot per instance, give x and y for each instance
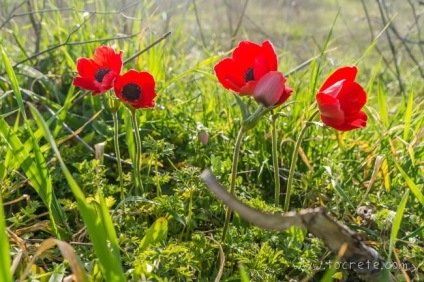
(203, 137)
(271, 89)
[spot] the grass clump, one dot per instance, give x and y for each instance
(173, 231)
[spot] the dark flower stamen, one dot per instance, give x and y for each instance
(100, 74)
(248, 76)
(131, 92)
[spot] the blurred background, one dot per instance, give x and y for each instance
(296, 27)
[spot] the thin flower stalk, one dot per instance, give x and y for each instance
(137, 175)
(294, 160)
(275, 159)
(114, 106)
(236, 154)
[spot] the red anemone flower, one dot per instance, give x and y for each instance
(340, 100)
(271, 89)
(98, 74)
(136, 88)
(247, 65)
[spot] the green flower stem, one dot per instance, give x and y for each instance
(233, 177)
(275, 159)
(293, 162)
(137, 176)
(118, 152)
(114, 106)
(158, 188)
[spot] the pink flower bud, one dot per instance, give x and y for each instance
(203, 137)
(271, 89)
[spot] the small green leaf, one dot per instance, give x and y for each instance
(244, 277)
(156, 233)
(338, 188)
(398, 220)
(414, 188)
(408, 115)
(5, 262)
(382, 106)
(243, 107)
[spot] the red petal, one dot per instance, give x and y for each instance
(107, 82)
(248, 89)
(230, 76)
(271, 56)
(105, 56)
(359, 120)
(286, 94)
(146, 81)
(87, 84)
(352, 98)
(245, 54)
(86, 68)
(329, 107)
(261, 67)
(146, 100)
(347, 73)
(334, 90)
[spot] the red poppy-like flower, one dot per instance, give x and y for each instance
(271, 89)
(247, 65)
(341, 99)
(98, 74)
(136, 88)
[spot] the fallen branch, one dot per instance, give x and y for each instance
(362, 259)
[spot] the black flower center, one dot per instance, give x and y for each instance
(131, 92)
(100, 74)
(248, 76)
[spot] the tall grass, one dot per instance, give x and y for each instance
(169, 236)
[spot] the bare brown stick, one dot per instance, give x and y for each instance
(306, 63)
(196, 13)
(36, 26)
(11, 17)
(163, 37)
(67, 41)
(417, 25)
(362, 259)
(69, 242)
(364, 6)
(392, 47)
(404, 40)
(243, 13)
(53, 47)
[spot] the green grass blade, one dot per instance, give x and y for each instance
(37, 168)
(382, 105)
(5, 262)
(13, 81)
(408, 115)
(395, 230)
(34, 169)
(105, 243)
(244, 277)
(106, 219)
(129, 136)
(398, 220)
(414, 188)
(156, 233)
(338, 187)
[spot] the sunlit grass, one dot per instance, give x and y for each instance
(171, 235)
